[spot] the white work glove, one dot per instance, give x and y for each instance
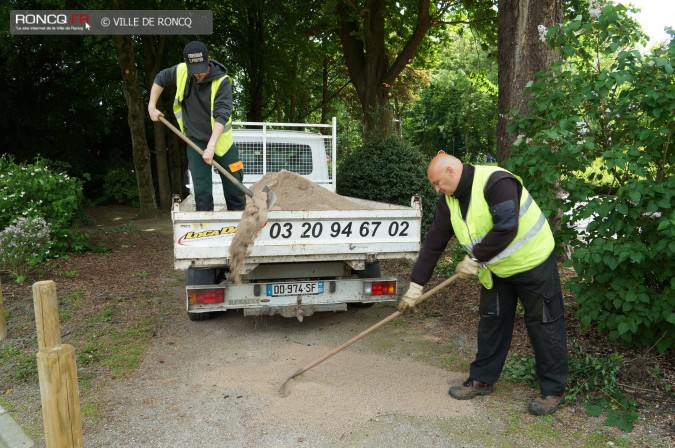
(409, 299)
(467, 268)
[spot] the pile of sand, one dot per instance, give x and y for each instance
(294, 192)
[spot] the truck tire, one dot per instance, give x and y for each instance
(199, 277)
(199, 316)
(372, 270)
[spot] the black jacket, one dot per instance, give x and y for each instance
(197, 100)
(502, 193)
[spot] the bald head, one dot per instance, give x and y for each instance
(444, 172)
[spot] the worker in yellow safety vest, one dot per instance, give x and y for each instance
(203, 108)
(510, 248)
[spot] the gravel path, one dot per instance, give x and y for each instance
(217, 384)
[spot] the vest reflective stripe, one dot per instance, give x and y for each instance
(531, 246)
(512, 248)
(523, 209)
(225, 141)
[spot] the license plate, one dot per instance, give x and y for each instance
(294, 289)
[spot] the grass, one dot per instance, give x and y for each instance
(110, 341)
(128, 346)
(16, 363)
(455, 363)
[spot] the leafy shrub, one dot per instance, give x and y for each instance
(24, 244)
(390, 171)
(120, 187)
(592, 380)
(609, 107)
(29, 190)
(448, 262)
(520, 369)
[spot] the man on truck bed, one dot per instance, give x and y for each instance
(510, 247)
(203, 108)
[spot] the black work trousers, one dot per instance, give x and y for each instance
(202, 178)
(541, 296)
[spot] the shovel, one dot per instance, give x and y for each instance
(366, 332)
(271, 197)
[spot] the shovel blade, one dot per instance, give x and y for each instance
(271, 197)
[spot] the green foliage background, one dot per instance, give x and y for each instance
(42, 189)
(390, 171)
(610, 108)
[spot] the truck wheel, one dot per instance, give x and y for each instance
(372, 270)
(200, 277)
(199, 316)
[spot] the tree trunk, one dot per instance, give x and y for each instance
(520, 55)
(368, 62)
(256, 63)
(153, 51)
(176, 148)
(136, 116)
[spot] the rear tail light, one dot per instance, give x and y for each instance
(387, 288)
(205, 296)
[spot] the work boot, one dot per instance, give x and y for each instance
(470, 389)
(544, 405)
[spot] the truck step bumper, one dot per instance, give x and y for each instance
(294, 311)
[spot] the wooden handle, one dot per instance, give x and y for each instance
(199, 150)
(366, 332)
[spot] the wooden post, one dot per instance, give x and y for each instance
(57, 372)
(3, 324)
(60, 397)
(46, 314)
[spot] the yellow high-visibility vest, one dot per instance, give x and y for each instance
(531, 246)
(225, 141)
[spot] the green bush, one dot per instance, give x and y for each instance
(120, 187)
(37, 189)
(448, 262)
(592, 380)
(609, 108)
(389, 171)
(24, 244)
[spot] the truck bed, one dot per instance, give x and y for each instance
(376, 232)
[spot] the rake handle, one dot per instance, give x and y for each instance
(374, 327)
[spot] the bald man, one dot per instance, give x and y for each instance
(510, 248)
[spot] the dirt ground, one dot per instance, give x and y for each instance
(217, 382)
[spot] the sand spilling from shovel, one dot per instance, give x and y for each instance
(294, 193)
(252, 220)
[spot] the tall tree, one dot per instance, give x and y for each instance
(276, 51)
(522, 51)
(457, 111)
(126, 59)
(153, 51)
(379, 39)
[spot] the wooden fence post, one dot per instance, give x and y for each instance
(57, 372)
(46, 314)
(3, 324)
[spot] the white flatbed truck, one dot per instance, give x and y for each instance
(303, 261)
